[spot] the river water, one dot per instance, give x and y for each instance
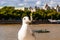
(9, 31)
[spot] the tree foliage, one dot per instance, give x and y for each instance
(10, 13)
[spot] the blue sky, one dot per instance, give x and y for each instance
(27, 3)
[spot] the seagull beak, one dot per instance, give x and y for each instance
(28, 22)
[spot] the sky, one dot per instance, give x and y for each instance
(28, 3)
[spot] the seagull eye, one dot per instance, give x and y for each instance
(24, 18)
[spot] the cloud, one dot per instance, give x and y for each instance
(30, 0)
(2, 2)
(53, 3)
(20, 4)
(38, 2)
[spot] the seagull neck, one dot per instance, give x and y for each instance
(24, 24)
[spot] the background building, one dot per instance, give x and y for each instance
(58, 8)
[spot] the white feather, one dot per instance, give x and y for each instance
(25, 33)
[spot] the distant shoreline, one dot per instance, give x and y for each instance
(20, 22)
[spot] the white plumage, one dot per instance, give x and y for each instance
(25, 33)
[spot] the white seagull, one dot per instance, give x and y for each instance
(25, 32)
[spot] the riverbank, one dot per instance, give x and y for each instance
(33, 22)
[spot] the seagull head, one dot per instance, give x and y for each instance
(26, 20)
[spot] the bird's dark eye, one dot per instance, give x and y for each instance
(24, 18)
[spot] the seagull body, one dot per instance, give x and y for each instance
(25, 33)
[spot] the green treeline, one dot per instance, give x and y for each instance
(10, 13)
